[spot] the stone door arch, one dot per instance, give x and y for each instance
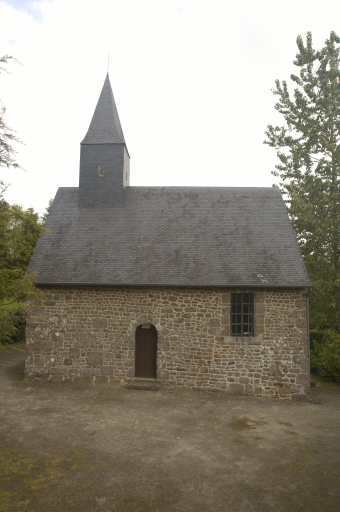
(146, 351)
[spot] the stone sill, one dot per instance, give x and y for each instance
(244, 340)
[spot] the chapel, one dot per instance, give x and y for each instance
(197, 287)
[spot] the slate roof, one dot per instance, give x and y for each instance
(105, 127)
(178, 236)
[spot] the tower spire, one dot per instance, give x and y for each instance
(105, 127)
(104, 159)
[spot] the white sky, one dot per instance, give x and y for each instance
(191, 80)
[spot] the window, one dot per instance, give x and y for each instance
(242, 314)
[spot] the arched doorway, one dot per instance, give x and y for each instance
(146, 351)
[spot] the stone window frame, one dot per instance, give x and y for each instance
(249, 300)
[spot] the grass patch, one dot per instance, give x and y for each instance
(76, 480)
(304, 454)
(103, 396)
(7, 347)
(285, 423)
(240, 440)
(291, 432)
(241, 424)
(22, 383)
(29, 482)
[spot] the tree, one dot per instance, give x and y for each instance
(19, 233)
(7, 135)
(308, 149)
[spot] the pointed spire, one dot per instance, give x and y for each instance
(105, 126)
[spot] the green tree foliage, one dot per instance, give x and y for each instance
(325, 356)
(308, 149)
(47, 211)
(19, 233)
(7, 135)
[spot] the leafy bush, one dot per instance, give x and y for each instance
(12, 325)
(325, 354)
(19, 233)
(7, 329)
(18, 318)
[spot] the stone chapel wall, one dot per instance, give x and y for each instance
(89, 332)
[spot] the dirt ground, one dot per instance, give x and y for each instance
(67, 447)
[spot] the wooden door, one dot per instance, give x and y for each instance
(146, 351)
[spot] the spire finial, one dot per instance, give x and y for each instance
(108, 62)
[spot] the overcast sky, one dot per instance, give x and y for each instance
(192, 82)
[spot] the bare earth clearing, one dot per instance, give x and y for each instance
(67, 447)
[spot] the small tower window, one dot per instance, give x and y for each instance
(100, 170)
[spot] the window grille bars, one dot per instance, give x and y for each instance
(242, 314)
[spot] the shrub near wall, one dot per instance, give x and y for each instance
(12, 325)
(325, 354)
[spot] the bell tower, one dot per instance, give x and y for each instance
(104, 158)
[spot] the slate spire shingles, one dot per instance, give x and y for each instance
(104, 169)
(105, 127)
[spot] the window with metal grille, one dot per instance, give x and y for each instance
(242, 314)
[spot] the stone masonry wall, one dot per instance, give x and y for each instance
(89, 332)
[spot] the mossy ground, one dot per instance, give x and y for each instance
(66, 447)
(29, 481)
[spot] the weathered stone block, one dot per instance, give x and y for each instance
(244, 380)
(236, 388)
(57, 378)
(50, 361)
(260, 309)
(301, 322)
(38, 360)
(73, 372)
(300, 304)
(115, 382)
(74, 353)
(42, 346)
(101, 381)
(302, 378)
(130, 372)
(89, 379)
(94, 358)
(35, 310)
(225, 298)
(99, 323)
(106, 370)
(59, 370)
(41, 373)
(249, 389)
(163, 375)
(165, 345)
